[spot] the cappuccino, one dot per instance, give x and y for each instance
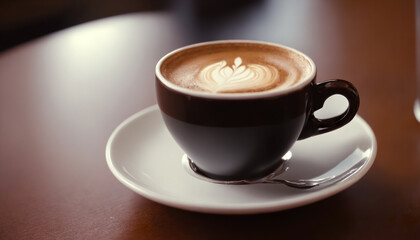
(237, 107)
(236, 67)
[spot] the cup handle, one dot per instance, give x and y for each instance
(319, 94)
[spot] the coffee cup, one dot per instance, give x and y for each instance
(236, 107)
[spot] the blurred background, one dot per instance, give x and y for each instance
(23, 20)
(344, 38)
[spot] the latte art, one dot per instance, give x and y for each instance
(235, 68)
(219, 77)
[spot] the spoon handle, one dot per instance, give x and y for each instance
(324, 179)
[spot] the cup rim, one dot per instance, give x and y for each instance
(234, 96)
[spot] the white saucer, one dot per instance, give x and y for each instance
(143, 156)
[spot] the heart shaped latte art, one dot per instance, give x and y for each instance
(219, 77)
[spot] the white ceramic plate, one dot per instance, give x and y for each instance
(143, 156)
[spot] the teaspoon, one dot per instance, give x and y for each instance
(340, 172)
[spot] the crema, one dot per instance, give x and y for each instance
(238, 67)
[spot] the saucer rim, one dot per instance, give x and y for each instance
(243, 208)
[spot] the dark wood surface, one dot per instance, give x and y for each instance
(62, 95)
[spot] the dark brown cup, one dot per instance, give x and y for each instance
(245, 135)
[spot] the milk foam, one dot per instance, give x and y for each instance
(237, 67)
(219, 77)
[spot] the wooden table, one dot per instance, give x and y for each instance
(62, 95)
